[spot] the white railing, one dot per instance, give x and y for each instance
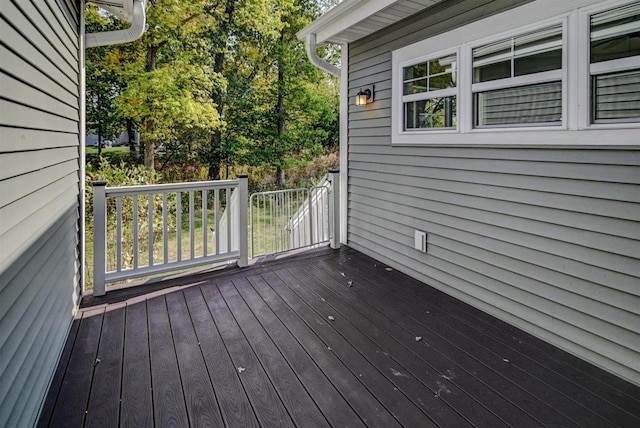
(145, 230)
(286, 220)
(310, 223)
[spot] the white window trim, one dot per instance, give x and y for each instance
(576, 92)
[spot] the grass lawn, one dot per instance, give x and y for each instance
(94, 150)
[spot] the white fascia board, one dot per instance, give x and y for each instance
(342, 17)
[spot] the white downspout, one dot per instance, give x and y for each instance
(343, 78)
(137, 17)
(312, 53)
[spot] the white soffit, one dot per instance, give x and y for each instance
(354, 19)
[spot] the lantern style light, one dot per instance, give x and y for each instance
(364, 96)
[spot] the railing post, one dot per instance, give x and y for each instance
(243, 236)
(99, 237)
(334, 207)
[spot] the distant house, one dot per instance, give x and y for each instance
(41, 191)
(508, 133)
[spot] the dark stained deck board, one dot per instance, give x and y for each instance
(333, 405)
(268, 408)
(364, 403)
(171, 356)
(297, 401)
(137, 402)
(232, 399)
(575, 401)
(202, 407)
(50, 401)
(374, 378)
(579, 371)
(169, 408)
(470, 396)
(435, 351)
(404, 371)
(73, 397)
(491, 368)
(104, 399)
(598, 402)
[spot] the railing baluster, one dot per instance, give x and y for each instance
(150, 223)
(165, 229)
(136, 244)
(216, 210)
(119, 233)
(191, 222)
(205, 228)
(299, 219)
(309, 195)
(230, 224)
(179, 225)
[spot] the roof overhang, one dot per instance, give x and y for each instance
(351, 20)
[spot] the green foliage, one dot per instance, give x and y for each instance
(216, 84)
(172, 99)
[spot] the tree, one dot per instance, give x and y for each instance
(169, 86)
(219, 82)
(285, 104)
(103, 84)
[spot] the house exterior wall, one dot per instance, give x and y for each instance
(543, 237)
(39, 197)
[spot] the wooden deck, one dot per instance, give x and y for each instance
(329, 338)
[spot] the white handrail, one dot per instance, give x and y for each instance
(164, 204)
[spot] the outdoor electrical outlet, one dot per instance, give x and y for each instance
(421, 241)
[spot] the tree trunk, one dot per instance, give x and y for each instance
(99, 128)
(149, 149)
(280, 178)
(131, 134)
(214, 157)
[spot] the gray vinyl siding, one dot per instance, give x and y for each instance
(39, 198)
(546, 239)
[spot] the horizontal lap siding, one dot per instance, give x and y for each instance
(39, 194)
(547, 239)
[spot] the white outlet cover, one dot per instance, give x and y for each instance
(420, 241)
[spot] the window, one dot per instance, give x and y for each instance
(429, 94)
(545, 73)
(517, 81)
(615, 64)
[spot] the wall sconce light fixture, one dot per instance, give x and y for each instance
(365, 95)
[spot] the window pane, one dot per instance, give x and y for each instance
(617, 96)
(495, 71)
(431, 113)
(615, 33)
(414, 71)
(525, 105)
(525, 54)
(545, 61)
(430, 76)
(442, 81)
(415, 87)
